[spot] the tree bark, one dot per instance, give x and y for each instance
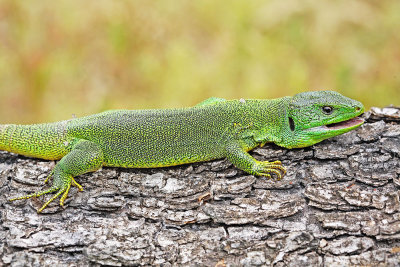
(338, 205)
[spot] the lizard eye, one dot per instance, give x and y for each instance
(327, 110)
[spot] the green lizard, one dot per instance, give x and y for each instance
(215, 128)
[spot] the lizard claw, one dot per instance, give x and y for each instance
(48, 177)
(62, 184)
(266, 168)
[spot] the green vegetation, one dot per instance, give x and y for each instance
(65, 57)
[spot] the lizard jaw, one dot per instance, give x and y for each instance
(339, 127)
(354, 122)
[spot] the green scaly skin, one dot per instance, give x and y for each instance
(215, 128)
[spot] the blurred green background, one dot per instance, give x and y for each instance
(64, 57)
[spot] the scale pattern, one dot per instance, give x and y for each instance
(216, 128)
(46, 141)
(157, 138)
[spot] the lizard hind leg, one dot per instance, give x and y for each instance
(84, 157)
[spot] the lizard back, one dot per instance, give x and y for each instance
(158, 137)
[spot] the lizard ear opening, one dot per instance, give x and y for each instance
(291, 124)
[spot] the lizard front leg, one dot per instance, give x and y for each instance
(84, 157)
(244, 161)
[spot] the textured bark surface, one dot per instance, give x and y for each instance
(337, 206)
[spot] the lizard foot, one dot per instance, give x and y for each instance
(62, 184)
(266, 168)
(84, 157)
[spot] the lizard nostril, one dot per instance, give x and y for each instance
(358, 108)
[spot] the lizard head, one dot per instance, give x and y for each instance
(314, 116)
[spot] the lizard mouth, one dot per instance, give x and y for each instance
(345, 124)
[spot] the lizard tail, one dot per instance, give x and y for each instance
(46, 141)
(3, 143)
